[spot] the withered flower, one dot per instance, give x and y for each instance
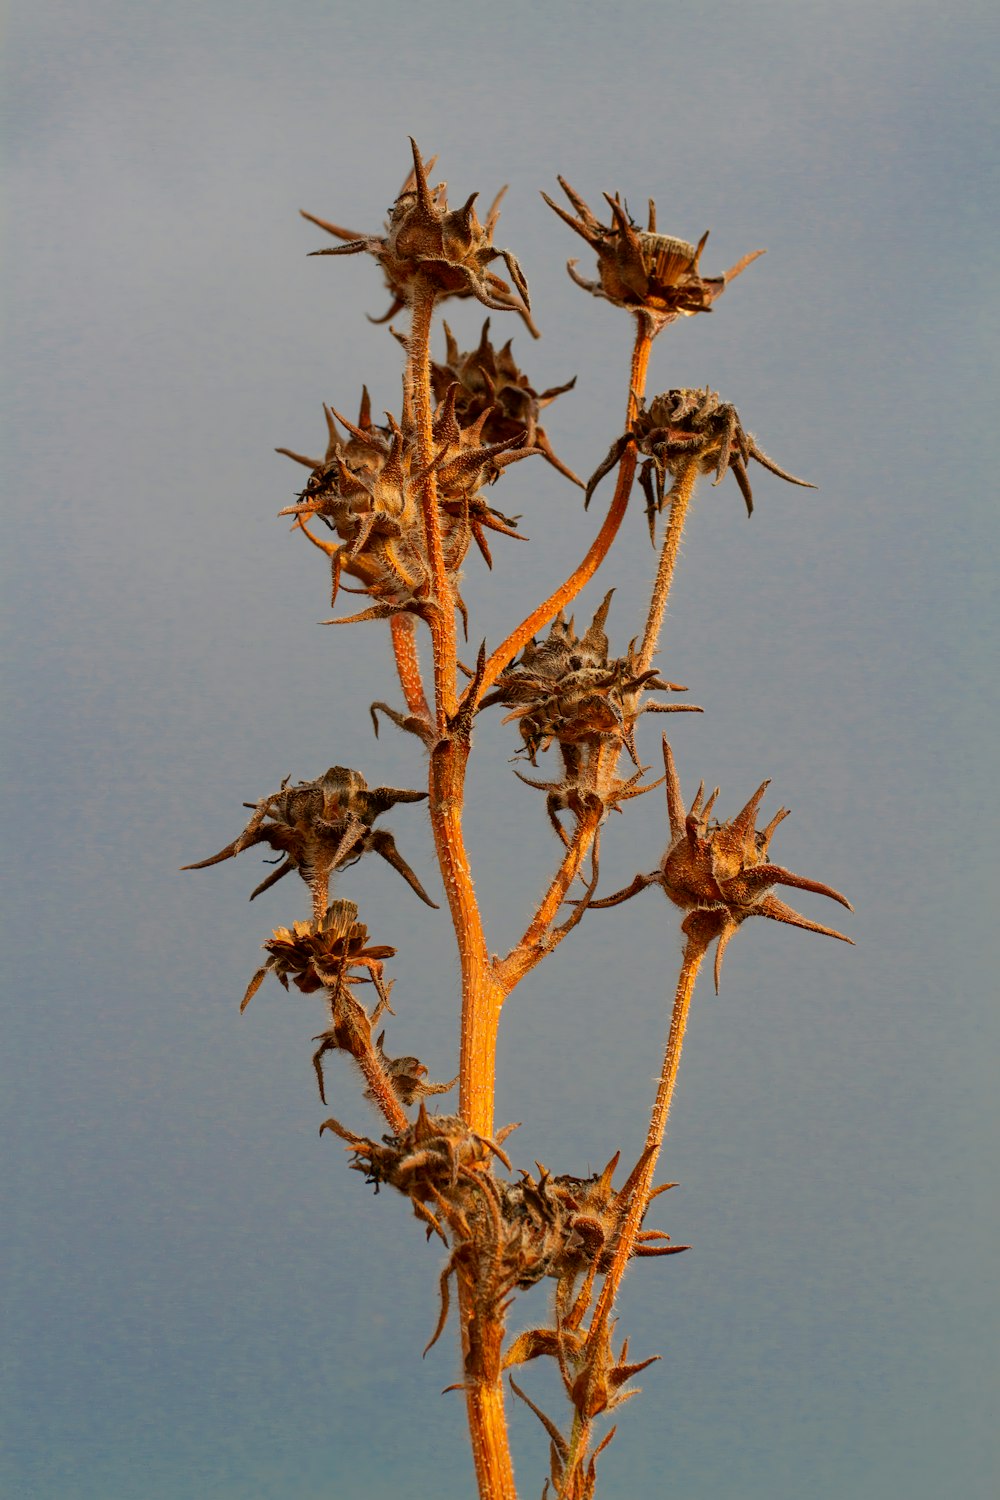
(490, 384)
(407, 1074)
(428, 1157)
(646, 272)
(322, 953)
(426, 243)
(678, 424)
(367, 490)
(567, 688)
(322, 826)
(721, 871)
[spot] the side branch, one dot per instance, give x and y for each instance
(538, 939)
(680, 499)
(404, 646)
(567, 592)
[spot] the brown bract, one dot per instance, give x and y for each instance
(720, 872)
(646, 272)
(321, 826)
(678, 424)
(426, 244)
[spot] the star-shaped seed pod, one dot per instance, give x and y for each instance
(678, 424)
(322, 826)
(641, 270)
(426, 243)
(721, 871)
(491, 385)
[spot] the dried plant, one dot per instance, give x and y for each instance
(395, 508)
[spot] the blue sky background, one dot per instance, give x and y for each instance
(202, 1299)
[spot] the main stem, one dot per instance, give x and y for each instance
(481, 996)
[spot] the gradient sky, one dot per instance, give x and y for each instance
(202, 1300)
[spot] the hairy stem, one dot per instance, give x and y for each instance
(680, 499)
(700, 934)
(538, 941)
(404, 645)
(442, 614)
(598, 551)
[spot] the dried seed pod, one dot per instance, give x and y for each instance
(720, 872)
(641, 270)
(491, 386)
(322, 953)
(368, 490)
(678, 424)
(426, 243)
(321, 826)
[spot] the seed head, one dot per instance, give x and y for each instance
(641, 270)
(427, 244)
(720, 872)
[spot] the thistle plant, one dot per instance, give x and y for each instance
(394, 508)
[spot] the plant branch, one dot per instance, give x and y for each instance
(442, 614)
(680, 498)
(598, 551)
(404, 645)
(699, 936)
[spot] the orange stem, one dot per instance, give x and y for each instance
(442, 614)
(567, 592)
(680, 498)
(700, 934)
(404, 645)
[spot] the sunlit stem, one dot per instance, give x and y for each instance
(442, 616)
(701, 929)
(598, 551)
(680, 499)
(404, 646)
(480, 993)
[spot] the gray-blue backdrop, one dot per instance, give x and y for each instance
(203, 1300)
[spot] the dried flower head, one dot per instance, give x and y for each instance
(425, 1159)
(367, 489)
(639, 269)
(321, 954)
(322, 826)
(567, 688)
(721, 871)
(677, 425)
(446, 250)
(490, 383)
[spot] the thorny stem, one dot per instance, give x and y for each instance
(598, 551)
(680, 498)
